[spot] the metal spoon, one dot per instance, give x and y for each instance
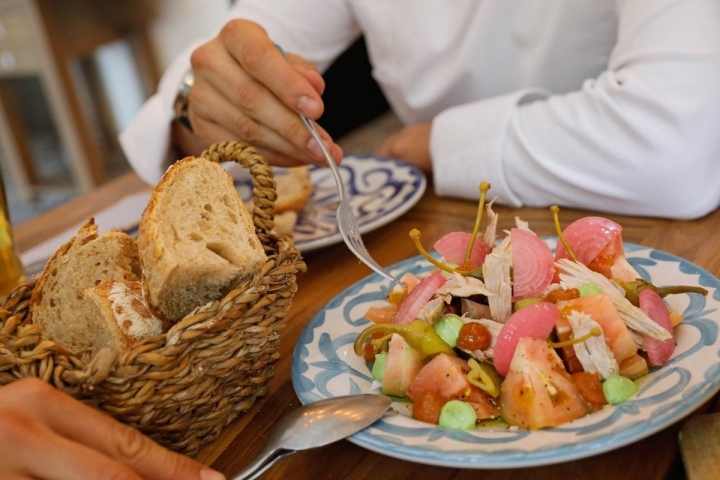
(315, 425)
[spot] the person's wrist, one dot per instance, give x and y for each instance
(182, 100)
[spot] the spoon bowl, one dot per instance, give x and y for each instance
(315, 425)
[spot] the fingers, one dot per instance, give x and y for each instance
(88, 438)
(249, 44)
(245, 87)
(25, 440)
(411, 144)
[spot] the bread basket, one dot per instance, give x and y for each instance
(183, 387)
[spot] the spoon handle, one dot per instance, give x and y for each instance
(266, 459)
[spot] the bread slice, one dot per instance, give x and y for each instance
(57, 304)
(285, 222)
(122, 317)
(294, 188)
(196, 240)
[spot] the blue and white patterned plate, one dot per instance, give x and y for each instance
(379, 190)
(324, 365)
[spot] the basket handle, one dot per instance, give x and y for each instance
(264, 192)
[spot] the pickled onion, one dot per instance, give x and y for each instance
(658, 351)
(533, 264)
(418, 297)
(587, 237)
(534, 321)
(452, 247)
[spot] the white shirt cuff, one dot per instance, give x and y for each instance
(466, 144)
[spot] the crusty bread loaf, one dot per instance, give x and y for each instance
(196, 240)
(57, 304)
(123, 319)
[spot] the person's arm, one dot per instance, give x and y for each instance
(46, 434)
(641, 138)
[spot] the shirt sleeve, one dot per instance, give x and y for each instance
(639, 139)
(146, 140)
(319, 30)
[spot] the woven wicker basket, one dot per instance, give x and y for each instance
(183, 387)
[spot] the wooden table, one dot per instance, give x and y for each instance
(334, 268)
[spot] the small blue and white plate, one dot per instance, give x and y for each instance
(379, 191)
(324, 365)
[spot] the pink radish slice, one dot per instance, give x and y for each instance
(453, 246)
(533, 264)
(534, 321)
(418, 297)
(587, 237)
(658, 351)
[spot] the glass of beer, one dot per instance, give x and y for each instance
(11, 270)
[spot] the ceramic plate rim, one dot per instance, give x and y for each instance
(349, 162)
(375, 440)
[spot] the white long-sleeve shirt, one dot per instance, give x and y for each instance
(609, 105)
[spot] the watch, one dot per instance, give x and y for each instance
(182, 100)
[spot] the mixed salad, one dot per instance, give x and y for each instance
(509, 331)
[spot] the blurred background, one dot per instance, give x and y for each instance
(73, 73)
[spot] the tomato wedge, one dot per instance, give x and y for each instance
(535, 321)
(453, 247)
(537, 391)
(418, 297)
(444, 375)
(533, 264)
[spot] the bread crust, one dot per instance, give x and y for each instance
(196, 239)
(123, 317)
(57, 302)
(294, 188)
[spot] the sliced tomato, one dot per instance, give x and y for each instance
(601, 308)
(418, 297)
(381, 314)
(453, 247)
(658, 352)
(535, 321)
(444, 375)
(634, 367)
(427, 408)
(533, 264)
(588, 237)
(622, 270)
(483, 404)
(590, 388)
(537, 391)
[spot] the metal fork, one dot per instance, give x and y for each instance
(347, 223)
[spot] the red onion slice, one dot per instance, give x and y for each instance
(418, 297)
(533, 264)
(453, 246)
(658, 351)
(587, 237)
(534, 321)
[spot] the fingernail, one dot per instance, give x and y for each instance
(308, 106)
(207, 474)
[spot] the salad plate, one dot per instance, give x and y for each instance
(324, 365)
(380, 189)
